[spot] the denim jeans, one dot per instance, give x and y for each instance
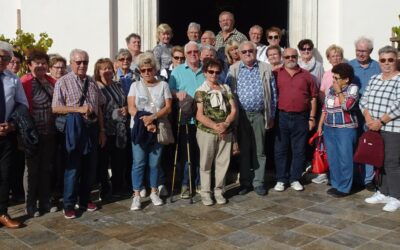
(290, 135)
(142, 157)
(80, 174)
(340, 145)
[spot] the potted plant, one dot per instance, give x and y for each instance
(396, 35)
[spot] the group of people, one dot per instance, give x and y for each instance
(217, 90)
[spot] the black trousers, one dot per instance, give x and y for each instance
(7, 149)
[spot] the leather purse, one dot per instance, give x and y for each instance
(319, 162)
(370, 149)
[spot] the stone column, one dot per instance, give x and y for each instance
(145, 21)
(303, 21)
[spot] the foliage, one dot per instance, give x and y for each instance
(25, 43)
(396, 30)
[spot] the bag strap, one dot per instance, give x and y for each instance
(106, 88)
(44, 90)
(153, 107)
(84, 92)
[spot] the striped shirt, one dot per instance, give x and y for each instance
(68, 90)
(341, 115)
(383, 97)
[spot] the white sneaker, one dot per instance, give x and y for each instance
(219, 198)
(206, 199)
(143, 193)
(136, 204)
(296, 186)
(392, 205)
(156, 199)
(280, 186)
(320, 179)
(162, 190)
(377, 198)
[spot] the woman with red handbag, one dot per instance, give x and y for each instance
(339, 122)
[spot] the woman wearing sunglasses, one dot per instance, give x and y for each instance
(308, 62)
(380, 107)
(148, 100)
(216, 112)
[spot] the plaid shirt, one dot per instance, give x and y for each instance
(341, 115)
(68, 91)
(234, 35)
(383, 97)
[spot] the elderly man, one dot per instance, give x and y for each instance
(194, 32)
(255, 34)
(297, 105)
(364, 67)
(134, 43)
(228, 31)
(208, 38)
(207, 51)
(253, 84)
(184, 81)
(77, 96)
(11, 93)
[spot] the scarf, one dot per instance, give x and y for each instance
(216, 98)
(309, 66)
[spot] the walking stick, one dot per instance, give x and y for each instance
(189, 164)
(176, 156)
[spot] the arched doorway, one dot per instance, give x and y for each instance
(178, 14)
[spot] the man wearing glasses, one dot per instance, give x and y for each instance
(11, 93)
(297, 107)
(253, 84)
(364, 67)
(77, 96)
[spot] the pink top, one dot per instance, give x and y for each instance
(326, 81)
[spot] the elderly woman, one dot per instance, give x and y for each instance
(274, 55)
(148, 100)
(39, 87)
(381, 109)
(178, 57)
(232, 52)
(334, 54)
(339, 124)
(216, 112)
(57, 66)
(115, 113)
(162, 51)
(308, 62)
(125, 76)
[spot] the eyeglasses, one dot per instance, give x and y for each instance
(82, 62)
(306, 49)
(362, 51)
(180, 58)
(383, 60)
(244, 52)
(273, 37)
(212, 72)
(15, 62)
(124, 59)
(192, 52)
(146, 70)
(290, 56)
(5, 58)
(336, 78)
(58, 67)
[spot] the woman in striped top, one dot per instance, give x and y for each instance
(339, 122)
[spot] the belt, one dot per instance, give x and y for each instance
(294, 113)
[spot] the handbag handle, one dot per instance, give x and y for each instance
(312, 139)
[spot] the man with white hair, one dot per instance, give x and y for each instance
(364, 67)
(11, 93)
(194, 32)
(77, 96)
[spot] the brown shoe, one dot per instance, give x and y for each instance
(8, 222)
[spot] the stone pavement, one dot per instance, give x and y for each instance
(288, 220)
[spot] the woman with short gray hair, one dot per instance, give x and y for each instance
(381, 108)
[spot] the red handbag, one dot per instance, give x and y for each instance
(320, 160)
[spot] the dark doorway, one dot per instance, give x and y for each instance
(178, 14)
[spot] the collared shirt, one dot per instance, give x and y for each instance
(363, 75)
(183, 78)
(383, 96)
(250, 88)
(327, 81)
(162, 53)
(341, 115)
(68, 91)
(126, 80)
(234, 35)
(295, 92)
(13, 92)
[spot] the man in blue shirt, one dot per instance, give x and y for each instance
(11, 93)
(184, 81)
(364, 67)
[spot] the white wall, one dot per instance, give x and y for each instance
(8, 17)
(343, 21)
